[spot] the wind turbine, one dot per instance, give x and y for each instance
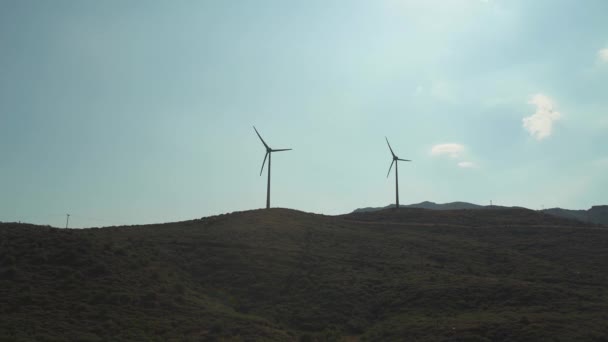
(269, 155)
(395, 161)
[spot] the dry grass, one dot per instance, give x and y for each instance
(286, 275)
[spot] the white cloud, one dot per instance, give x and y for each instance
(466, 165)
(603, 55)
(540, 124)
(452, 150)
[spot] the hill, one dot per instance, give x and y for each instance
(597, 214)
(284, 275)
(428, 205)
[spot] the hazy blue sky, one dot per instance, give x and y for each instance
(124, 112)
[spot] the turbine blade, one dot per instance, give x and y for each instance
(389, 146)
(389, 169)
(403, 159)
(264, 162)
(263, 142)
(280, 150)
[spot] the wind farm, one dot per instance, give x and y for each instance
(131, 207)
(416, 272)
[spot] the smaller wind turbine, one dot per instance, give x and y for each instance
(269, 155)
(395, 161)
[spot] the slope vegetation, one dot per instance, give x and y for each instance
(597, 214)
(284, 275)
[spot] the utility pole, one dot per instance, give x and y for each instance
(67, 220)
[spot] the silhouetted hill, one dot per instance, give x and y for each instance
(284, 275)
(597, 214)
(465, 217)
(432, 206)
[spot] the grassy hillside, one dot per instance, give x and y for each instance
(597, 214)
(283, 275)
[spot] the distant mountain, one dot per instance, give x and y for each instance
(445, 206)
(430, 205)
(597, 214)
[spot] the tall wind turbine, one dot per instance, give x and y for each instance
(269, 155)
(395, 161)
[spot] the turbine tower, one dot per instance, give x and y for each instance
(269, 155)
(395, 161)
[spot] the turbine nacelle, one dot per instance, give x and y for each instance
(395, 158)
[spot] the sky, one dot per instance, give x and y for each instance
(135, 112)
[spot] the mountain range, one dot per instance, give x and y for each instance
(597, 214)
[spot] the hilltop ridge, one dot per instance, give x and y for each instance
(597, 214)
